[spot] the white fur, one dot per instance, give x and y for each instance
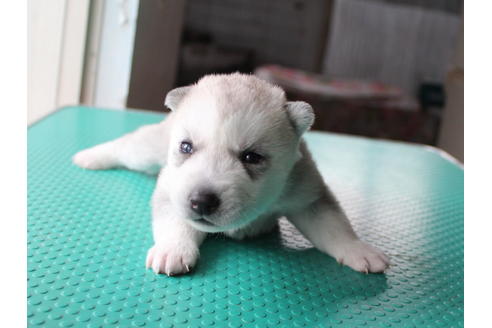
(223, 115)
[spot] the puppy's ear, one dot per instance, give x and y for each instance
(301, 115)
(174, 97)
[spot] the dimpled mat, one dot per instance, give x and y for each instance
(89, 231)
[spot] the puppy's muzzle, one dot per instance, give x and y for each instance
(204, 202)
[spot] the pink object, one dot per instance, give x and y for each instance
(316, 84)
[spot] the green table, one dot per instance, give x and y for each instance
(89, 231)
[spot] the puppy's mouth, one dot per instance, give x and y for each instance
(205, 221)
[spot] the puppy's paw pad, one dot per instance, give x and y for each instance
(91, 159)
(364, 258)
(171, 259)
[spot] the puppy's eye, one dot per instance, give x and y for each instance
(249, 157)
(186, 147)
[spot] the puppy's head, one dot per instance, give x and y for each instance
(233, 142)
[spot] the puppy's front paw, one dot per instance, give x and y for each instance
(92, 159)
(172, 259)
(363, 257)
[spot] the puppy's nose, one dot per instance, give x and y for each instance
(204, 203)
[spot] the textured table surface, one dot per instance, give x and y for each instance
(89, 231)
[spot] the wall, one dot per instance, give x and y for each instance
(109, 54)
(286, 32)
(396, 44)
(451, 137)
(56, 42)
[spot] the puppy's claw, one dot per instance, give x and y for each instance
(171, 260)
(363, 258)
(148, 261)
(156, 267)
(366, 269)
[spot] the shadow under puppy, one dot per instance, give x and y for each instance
(233, 161)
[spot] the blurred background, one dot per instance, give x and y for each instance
(377, 68)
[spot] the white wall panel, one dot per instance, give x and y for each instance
(56, 42)
(115, 53)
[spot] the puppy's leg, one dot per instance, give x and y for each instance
(327, 227)
(142, 150)
(176, 243)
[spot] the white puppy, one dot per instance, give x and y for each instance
(233, 161)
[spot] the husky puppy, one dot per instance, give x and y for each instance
(233, 161)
